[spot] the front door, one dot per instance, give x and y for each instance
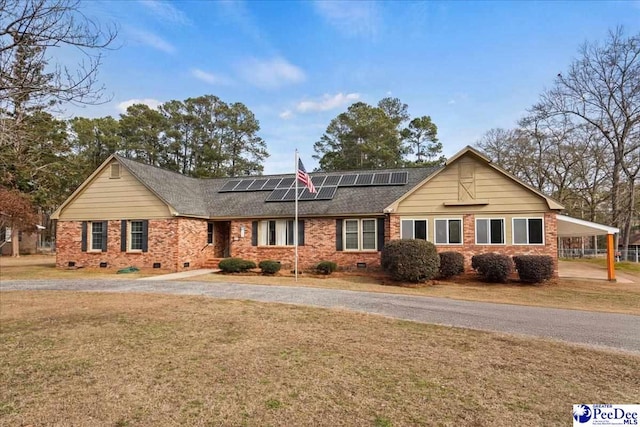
(221, 238)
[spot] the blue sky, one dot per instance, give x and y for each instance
(471, 66)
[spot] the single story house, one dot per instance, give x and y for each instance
(131, 214)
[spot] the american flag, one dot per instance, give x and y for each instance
(304, 177)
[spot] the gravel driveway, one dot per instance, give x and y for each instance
(617, 331)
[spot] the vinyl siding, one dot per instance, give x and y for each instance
(502, 194)
(107, 198)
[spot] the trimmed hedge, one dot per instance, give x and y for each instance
(534, 268)
(236, 265)
(492, 267)
(326, 267)
(410, 260)
(269, 266)
(451, 264)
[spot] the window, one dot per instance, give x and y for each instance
(96, 236)
(276, 233)
(528, 231)
(210, 233)
(413, 229)
(135, 235)
(448, 231)
(360, 235)
(490, 231)
(115, 171)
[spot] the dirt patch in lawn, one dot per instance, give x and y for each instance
(557, 293)
(152, 360)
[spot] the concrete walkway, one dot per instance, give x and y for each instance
(585, 270)
(612, 331)
(181, 275)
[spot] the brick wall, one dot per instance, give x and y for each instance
(172, 242)
(320, 245)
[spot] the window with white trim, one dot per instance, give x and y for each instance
(276, 233)
(528, 231)
(135, 236)
(360, 235)
(413, 229)
(448, 231)
(490, 231)
(95, 236)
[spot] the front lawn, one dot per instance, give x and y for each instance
(154, 360)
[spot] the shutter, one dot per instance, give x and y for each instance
(300, 232)
(83, 245)
(104, 235)
(123, 235)
(145, 235)
(254, 233)
(338, 234)
(380, 233)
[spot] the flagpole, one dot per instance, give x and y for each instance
(295, 221)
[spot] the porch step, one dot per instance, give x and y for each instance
(212, 263)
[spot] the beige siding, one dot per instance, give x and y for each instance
(121, 198)
(500, 193)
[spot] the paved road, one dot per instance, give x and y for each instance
(616, 331)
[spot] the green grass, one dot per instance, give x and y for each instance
(624, 266)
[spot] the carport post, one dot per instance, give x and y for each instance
(611, 270)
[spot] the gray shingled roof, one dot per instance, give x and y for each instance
(200, 197)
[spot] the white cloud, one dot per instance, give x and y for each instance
(152, 103)
(153, 40)
(352, 18)
(286, 115)
(451, 102)
(271, 73)
(327, 102)
(165, 11)
(210, 78)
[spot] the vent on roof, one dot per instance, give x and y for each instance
(115, 171)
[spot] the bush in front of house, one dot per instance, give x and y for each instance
(269, 266)
(451, 264)
(236, 265)
(534, 268)
(410, 260)
(326, 267)
(492, 267)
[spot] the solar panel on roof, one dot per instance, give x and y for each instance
(243, 185)
(364, 179)
(348, 180)
(332, 180)
(399, 178)
(306, 195)
(272, 184)
(326, 193)
(229, 185)
(291, 195)
(318, 180)
(285, 183)
(257, 185)
(381, 178)
(276, 195)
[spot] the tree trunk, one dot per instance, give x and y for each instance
(15, 242)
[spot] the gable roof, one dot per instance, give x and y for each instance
(468, 150)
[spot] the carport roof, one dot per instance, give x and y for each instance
(574, 227)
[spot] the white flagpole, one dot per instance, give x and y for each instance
(295, 221)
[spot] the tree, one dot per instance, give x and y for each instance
(92, 141)
(602, 89)
(17, 213)
(422, 137)
(33, 81)
(143, 133)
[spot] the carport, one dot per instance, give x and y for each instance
(574, 227)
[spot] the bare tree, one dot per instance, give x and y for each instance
(602, 89)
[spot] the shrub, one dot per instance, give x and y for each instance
(236, 265)
(410, 260)
(326, 267)
(269, 266)
(451, 264)
(534, 268)
(492, 267)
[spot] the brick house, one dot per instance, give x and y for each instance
(130, 214)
